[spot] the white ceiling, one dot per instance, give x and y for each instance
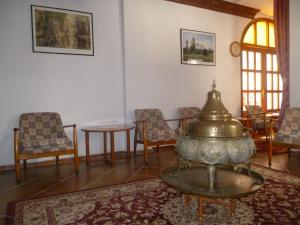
(265, 6)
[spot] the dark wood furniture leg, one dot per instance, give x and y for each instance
(128, 143)
(87, 148)
(112, 148)
(104, 146)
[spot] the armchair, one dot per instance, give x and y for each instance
(151, 129)
(188, 114)
(42, 135)
(288, 135)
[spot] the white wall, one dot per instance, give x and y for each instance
(154, 75)
(294, 52)
(83, 89)
(97, 89)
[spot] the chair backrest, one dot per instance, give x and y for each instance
(153, 117)
(40, 126)
(291, 121)
(253, 111)
(187, 112)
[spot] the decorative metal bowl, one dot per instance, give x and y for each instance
(215, 138)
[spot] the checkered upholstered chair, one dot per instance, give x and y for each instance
(188, 114)
(152, 130)
(288, 135)
(259, 121)
(42, 135)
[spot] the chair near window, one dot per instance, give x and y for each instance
(188, 114)
(152, 130)
(258, 120)
(42, 135)
(288, 135)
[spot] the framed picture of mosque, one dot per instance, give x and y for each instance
(61, 31)
(197, 47)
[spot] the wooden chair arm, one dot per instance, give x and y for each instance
(176, 119)
(74, 134)
(69, 125)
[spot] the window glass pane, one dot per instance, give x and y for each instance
(251, 60)
(271, 35)
(275, 67)
(275, 82)
(244, 59)
(269, 62)
(258, 61)
(280, 83)
(249, 37)
(280, 100)
(251, 81)
(245, 102)
(269, 81)
(275, 100)
(261, 33)
(258, 81)
(251, 99)
(269, 101)
(245, 81)
(258, 99)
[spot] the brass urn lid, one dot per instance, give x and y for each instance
(214, 119)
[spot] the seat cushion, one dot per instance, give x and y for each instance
(159, 135)
(288, 138)
(46, 145)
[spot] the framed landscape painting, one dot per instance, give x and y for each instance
(62, 31)
(197, 47)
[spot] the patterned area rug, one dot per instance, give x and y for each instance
(152, 202)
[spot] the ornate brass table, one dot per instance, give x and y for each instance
(229, 184)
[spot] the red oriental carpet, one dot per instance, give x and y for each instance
(152, 202)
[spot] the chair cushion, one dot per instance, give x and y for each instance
(47, 145)
(159, 135)
(288, 138)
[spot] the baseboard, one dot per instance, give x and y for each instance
(51, 162)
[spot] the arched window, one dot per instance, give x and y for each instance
(261, 81)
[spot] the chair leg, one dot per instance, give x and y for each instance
(157, 148)
(57, 160)
(17, 169)
(146, 153)
(135, 142)
(289, 152)
(76, 162)
(270, 153)
(24, 164)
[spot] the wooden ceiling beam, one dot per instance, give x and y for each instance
(221, 6)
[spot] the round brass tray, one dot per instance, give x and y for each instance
(228, 183)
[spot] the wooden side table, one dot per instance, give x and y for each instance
(111, 129)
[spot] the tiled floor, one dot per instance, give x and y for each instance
(38, 182)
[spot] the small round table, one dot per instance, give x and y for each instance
(111, 129)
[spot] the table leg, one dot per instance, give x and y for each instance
(187, 198)
(105, 145)
(201, 208)
(232, 207)
(112, 148)
(87, 148)
(128, 143)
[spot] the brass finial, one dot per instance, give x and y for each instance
(214, 86)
